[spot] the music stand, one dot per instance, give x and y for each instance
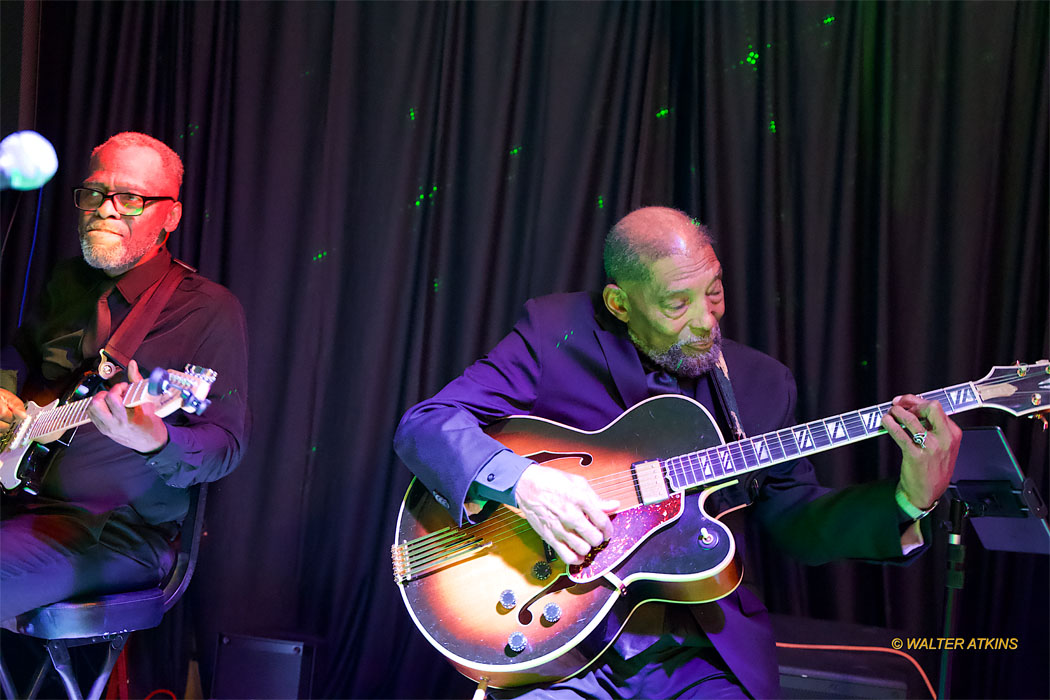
(1007, 512)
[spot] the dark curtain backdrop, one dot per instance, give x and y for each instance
(384, 184)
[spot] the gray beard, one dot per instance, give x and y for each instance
(110, 259)
(674, 361)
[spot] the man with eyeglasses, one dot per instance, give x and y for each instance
(107, 511)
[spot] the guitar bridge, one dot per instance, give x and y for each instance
(649, 482)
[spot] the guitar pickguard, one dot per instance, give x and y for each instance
(633, 527)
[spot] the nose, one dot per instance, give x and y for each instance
(703, 320)
(107, 210)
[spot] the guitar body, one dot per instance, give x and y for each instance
(25, 465)
(454, 581)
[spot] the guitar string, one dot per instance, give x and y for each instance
(628, 489)
(418, 561)
(71, 414)
(493, 526)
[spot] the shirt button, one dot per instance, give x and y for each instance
(490, 477)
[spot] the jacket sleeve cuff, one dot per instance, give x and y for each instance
(911, 538)
(498, 477)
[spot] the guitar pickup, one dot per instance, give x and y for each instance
(649, 482)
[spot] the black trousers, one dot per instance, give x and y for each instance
(51, 552)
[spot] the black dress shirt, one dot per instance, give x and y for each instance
(201, 324)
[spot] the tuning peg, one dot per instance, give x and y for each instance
(158, 381)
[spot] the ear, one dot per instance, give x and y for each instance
(616, 302)
(171, 222)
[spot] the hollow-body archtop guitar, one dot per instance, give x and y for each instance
(497, 603)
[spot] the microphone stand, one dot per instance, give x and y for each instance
(952, 585)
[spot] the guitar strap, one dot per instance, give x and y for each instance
(745, 493)
(121, 346)
(725, 395)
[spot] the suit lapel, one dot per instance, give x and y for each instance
(624, 366)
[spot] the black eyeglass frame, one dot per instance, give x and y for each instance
(112, 195)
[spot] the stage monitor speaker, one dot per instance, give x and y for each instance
(812, 683)
(256, 667)
(820, 670)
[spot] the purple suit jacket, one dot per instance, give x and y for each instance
(567, 359)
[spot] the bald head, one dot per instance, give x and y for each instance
(646, 235)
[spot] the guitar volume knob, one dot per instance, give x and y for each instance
(517, 641)
(507, 599)
(541, 570)
(552, 612)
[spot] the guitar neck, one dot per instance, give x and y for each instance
(724, 461)
(74, 413)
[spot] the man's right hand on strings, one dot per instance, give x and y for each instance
(564, 510)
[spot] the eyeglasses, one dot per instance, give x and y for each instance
(126, 203)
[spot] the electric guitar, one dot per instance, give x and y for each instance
(168, 390)
(501, 607)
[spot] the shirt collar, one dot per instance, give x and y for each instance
(133, 283)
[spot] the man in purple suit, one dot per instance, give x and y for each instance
(583, 360)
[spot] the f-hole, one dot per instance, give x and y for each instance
(558, 584)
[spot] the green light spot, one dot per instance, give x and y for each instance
(424, 196)
(321, 255)
(412, 114)
(601, 203)
(863, 363)
(437, 284)
(515, 151)
(752, 58)
(664, 112)
(314, 448)
(829, 19)
(772, 127)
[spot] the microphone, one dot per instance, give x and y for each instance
(27, 161)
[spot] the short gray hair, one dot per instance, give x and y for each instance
(169, 159)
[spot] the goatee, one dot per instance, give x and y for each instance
(676, 362)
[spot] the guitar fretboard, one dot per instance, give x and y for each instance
(70, 415)
(716, 463)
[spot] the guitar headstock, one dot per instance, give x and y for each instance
(1019, 389)
(172, 389)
